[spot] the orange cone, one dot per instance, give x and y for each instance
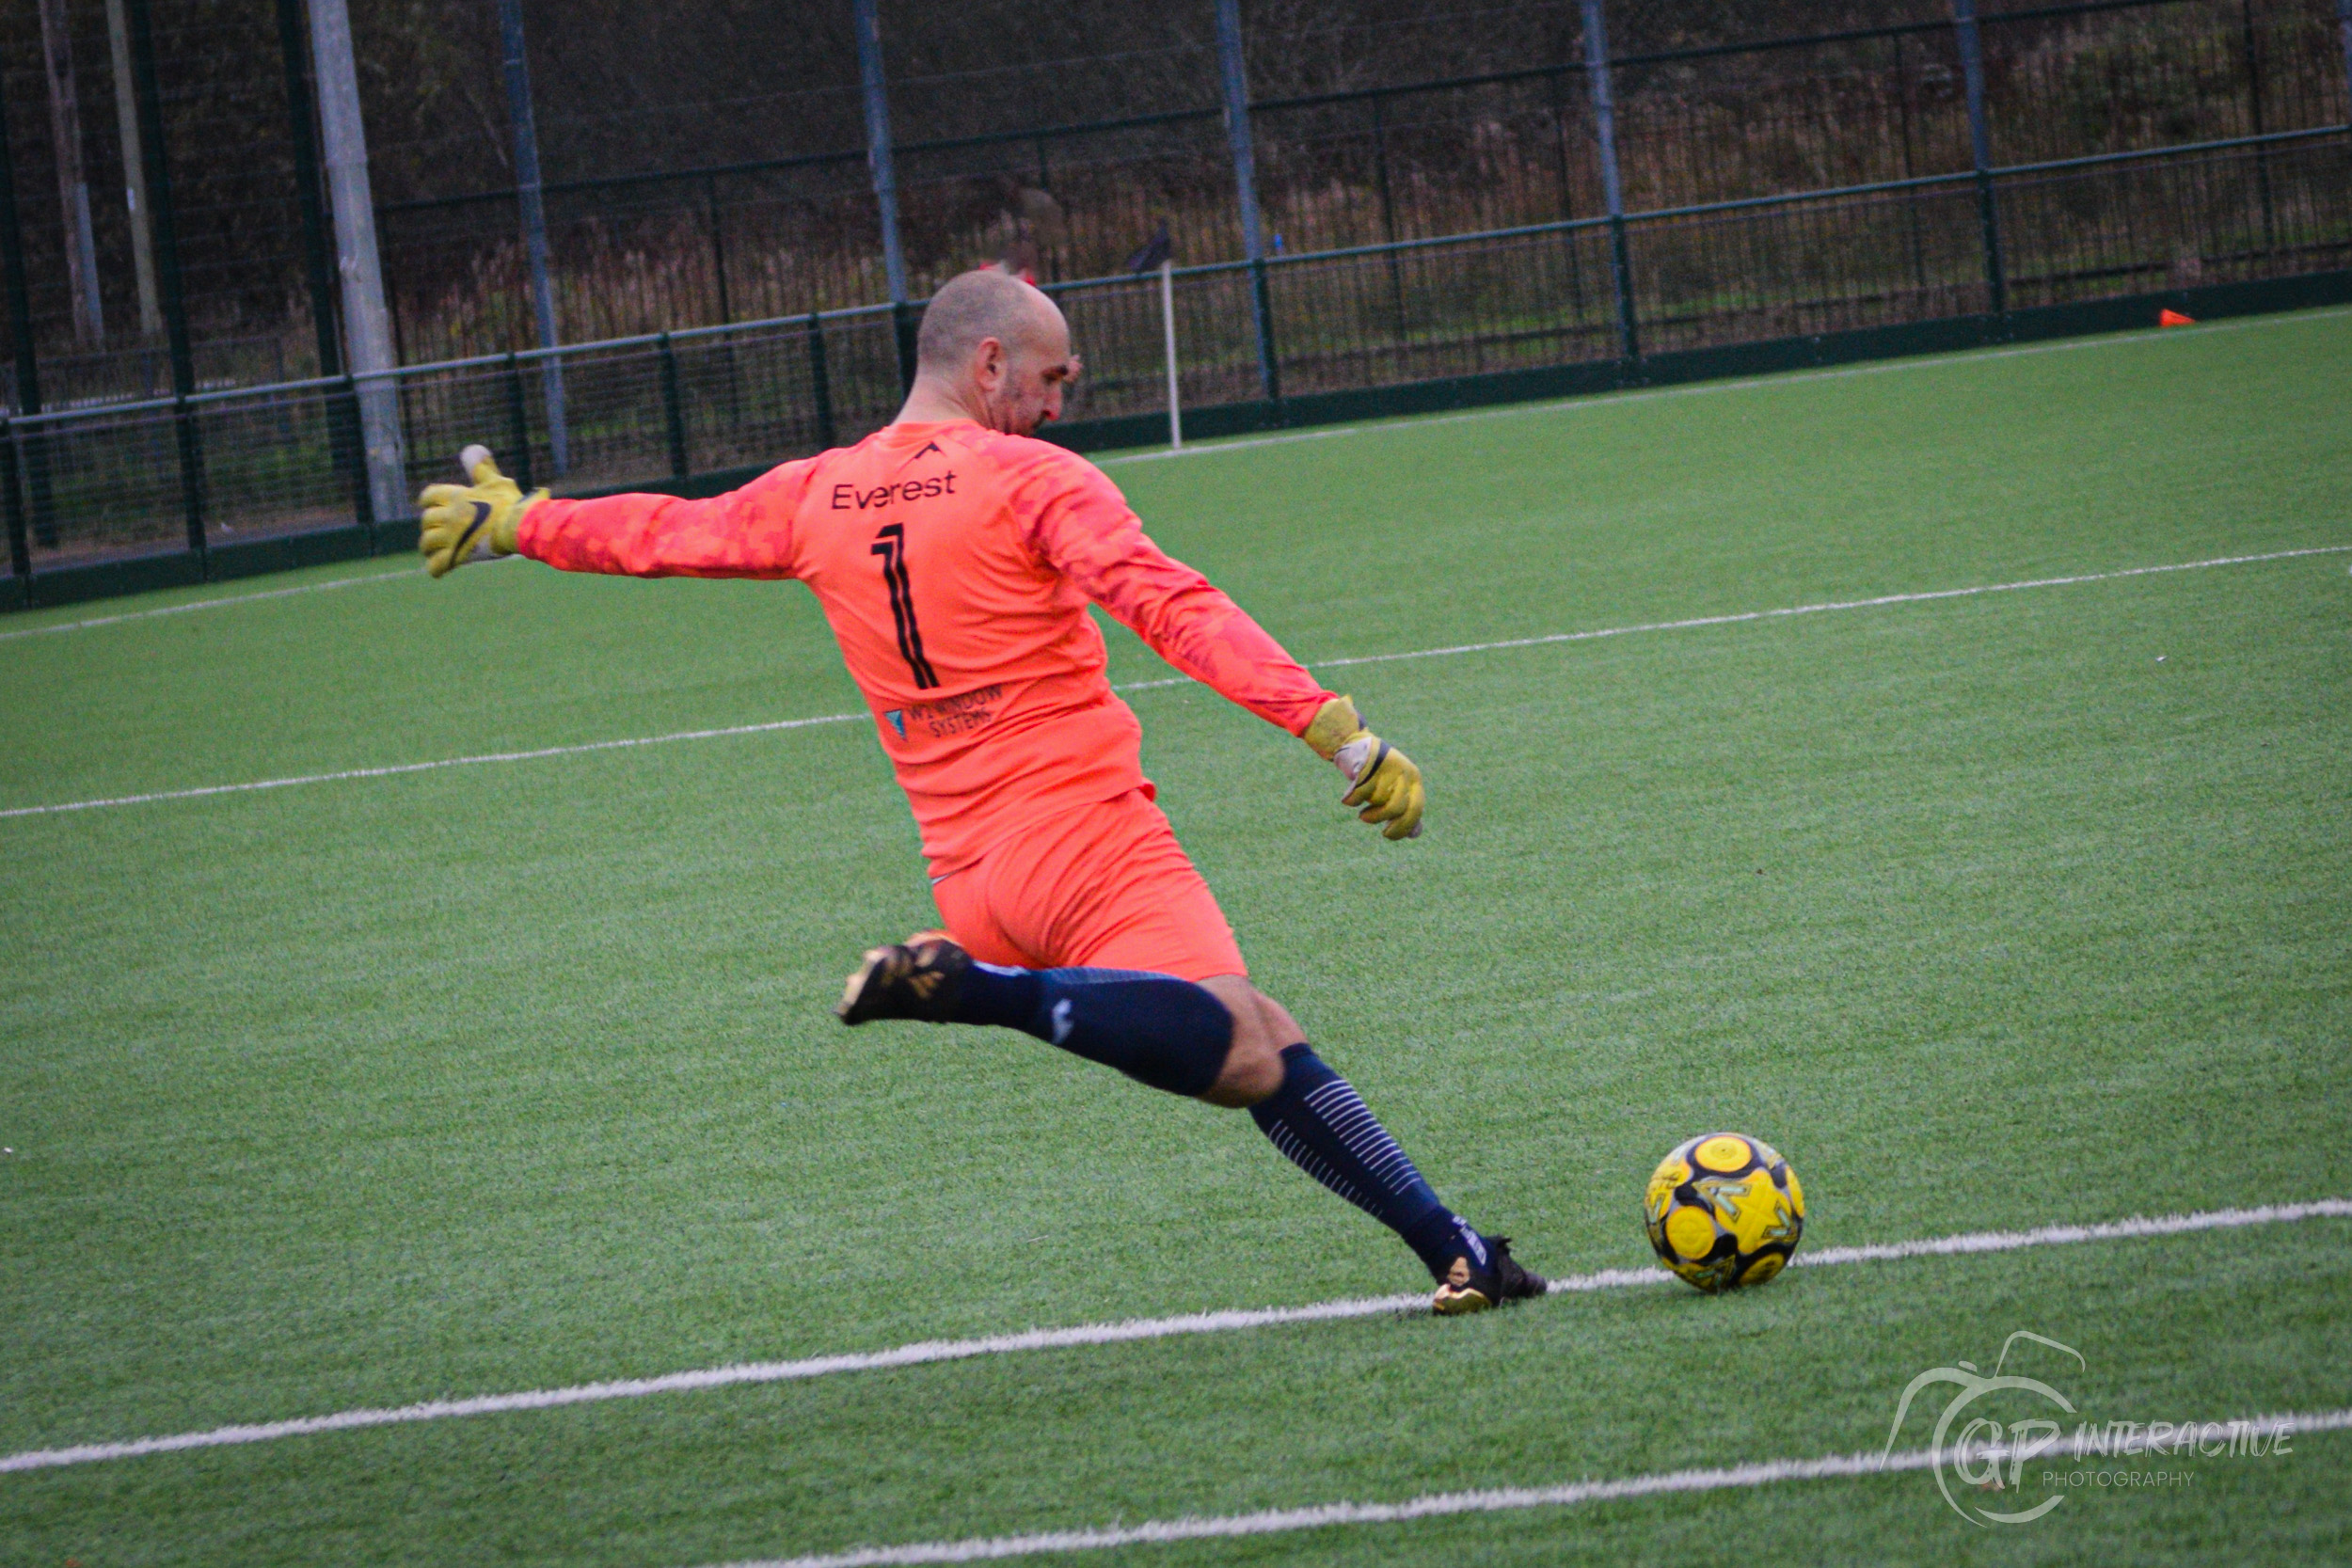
(2173, 318)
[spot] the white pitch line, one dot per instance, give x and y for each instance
(1596, 402)
(2067, 1235)
(1279, 1521)
(210, 604)
(1880, 601)
(1133, 1329)
(429, 766)
(1687, 624)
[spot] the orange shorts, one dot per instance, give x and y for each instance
(1104, 886)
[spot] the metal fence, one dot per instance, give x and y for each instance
(1410, 160)
(1853, 188)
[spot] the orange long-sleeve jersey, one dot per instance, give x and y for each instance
(955, 564)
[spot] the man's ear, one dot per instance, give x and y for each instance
(989, 364)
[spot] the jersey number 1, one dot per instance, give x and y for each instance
(891, 545)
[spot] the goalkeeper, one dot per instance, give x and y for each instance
(953, 557)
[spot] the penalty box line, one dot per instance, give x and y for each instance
(1279, 1521)
(395, 575)
(1128, 1331)
(394, 770)
(1689, 624)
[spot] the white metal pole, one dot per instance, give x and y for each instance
(65, 123)
(133, 174)
(367, 326)
(1167, 329)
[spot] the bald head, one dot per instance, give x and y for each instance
(992, 349)
(974, 307)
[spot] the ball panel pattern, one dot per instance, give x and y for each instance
(1723, 1210)
(1723, 1153)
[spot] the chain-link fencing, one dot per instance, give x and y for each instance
(1417, 232)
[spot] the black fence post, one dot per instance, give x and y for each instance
(529, 195)
(351, 457)
(344, 451)
(1261, 297)
(1910, 171)
(349, 454)
(673, 408)
(517, 421)
(1387, 208)
(20, 549)
(191, 472)
(820, 381)
(903, 328)
(2344, 30)
(318, 254)
(27, 358)
(1980, 151)
(718, 245)
(148, 95)
(733, 416)
(1233, 73)
(1612, 192)
(2254, 117)
(1571, 240)
(866, 21)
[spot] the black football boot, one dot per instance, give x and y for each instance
(1469, 1288)
(916, 978)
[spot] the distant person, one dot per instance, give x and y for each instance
(1020, 259)
(1156, 252)
(953, 557)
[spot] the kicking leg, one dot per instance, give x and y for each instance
(1221, 1040)
(1323, 1126)
(1158, 1030)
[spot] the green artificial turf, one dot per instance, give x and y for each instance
(1990, 912)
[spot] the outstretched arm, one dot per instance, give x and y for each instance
(1083, 527)
(744, 533)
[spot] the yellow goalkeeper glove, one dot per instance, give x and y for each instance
(458, 523)
(1385, 783)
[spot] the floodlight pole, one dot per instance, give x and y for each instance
(866, 21)
(65, 124)
(534, 221)
(155, 164)
(134, 171)
(1234, 73)
(27, 399)
(294, 51)
(1980, 151)
(343, 419)
(369, 355)
(1167, 329)
(1612, 191)
(165, 227)
(2344, 29)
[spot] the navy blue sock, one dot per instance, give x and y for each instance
(1322, 1125)
(1155, 1028)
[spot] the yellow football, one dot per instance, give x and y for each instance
(1724, 1210)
